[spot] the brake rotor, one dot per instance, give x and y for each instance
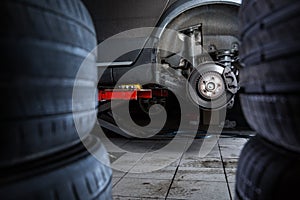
(207, 86)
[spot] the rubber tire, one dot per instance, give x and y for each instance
(72, 174)
(268, 23)
(270, 78)
(267, 172)
(43, 44)
(274, 117)
(270, 46)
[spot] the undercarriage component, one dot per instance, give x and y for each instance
(146, 104)
(159, 96)
(212, 85)
(212, 74)
(124, 94)
(131, 92)
(203, 36)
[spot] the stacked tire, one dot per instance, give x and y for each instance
(270, 47)
(266, 171)
(42, 154)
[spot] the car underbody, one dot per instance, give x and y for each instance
(192, 50)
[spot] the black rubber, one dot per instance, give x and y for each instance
(266, 172)
(274, 76)
(72, 174)
(274, 117)
(268, 24)
(43, 44)
(270, 45)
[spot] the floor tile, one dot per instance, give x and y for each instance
(202, 174)
(231, 147)
(230, 165)
(165, 173)
(232, 141)
(117, 173)
(125, 198)
(199, 190)
(197, 162)
(196, 177)
(155, 161)
(115, 180)
(232, 190)
(137, 187)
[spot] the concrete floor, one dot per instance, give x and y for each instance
(188, 176)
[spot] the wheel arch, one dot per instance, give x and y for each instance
(180, 7)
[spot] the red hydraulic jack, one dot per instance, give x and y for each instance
(130, 94)
(135, 93)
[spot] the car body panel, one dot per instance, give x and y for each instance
(114, 16)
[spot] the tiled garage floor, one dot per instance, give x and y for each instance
(188, 177)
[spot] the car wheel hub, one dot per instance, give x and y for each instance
(211, 85)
